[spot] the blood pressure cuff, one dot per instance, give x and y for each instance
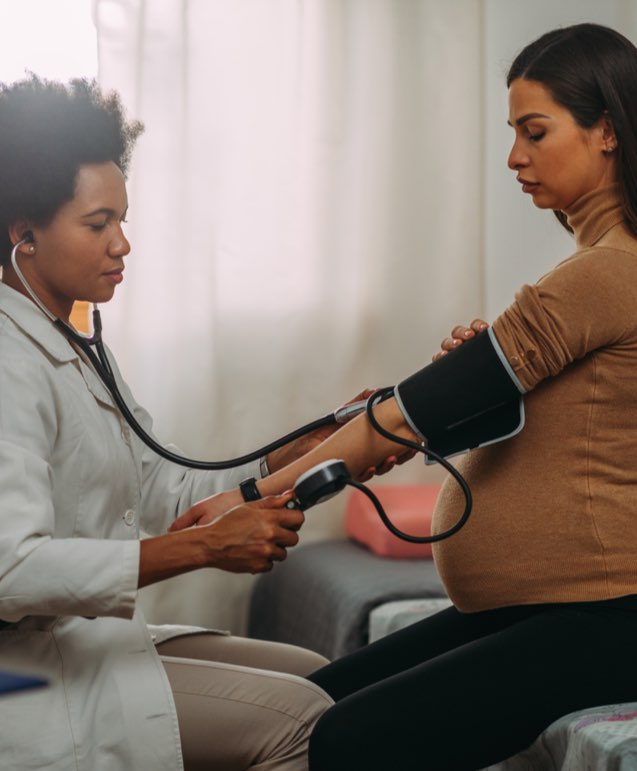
(469, 398)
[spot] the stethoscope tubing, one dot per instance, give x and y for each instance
(101, 364)
(375, 398)
(104, 370)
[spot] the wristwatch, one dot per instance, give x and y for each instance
(249, 489)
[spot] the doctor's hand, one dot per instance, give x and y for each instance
(248, 538)
(208, 510)
(251, 537)
(459, 335)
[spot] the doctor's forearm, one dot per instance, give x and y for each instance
(165, 556)
(357, 443)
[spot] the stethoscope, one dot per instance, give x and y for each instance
(315, 485)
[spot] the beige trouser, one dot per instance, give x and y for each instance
(241, 703)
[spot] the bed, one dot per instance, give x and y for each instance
(322, 595)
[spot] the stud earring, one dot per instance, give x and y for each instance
(31, 249)
(610, 149)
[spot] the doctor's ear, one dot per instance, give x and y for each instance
(22, 235)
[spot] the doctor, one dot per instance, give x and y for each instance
(77, 487)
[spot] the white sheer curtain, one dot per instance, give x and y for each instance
(305, 214)
(314, 203)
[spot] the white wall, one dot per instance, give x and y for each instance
(522, 242)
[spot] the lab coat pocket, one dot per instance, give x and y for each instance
(34, 725)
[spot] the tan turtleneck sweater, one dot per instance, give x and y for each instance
(555, 508)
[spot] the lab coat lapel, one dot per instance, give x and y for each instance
(30, 319)
(94, 384)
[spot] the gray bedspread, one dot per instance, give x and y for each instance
(321, 596)
(596, 739)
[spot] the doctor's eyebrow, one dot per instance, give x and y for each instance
(104, 210)
(528, 116)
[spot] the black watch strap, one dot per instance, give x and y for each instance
(249, 489)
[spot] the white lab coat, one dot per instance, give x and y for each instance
(75, 487)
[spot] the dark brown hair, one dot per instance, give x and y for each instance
(47, 131)
(591, 70)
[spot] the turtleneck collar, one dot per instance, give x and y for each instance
(594, 214)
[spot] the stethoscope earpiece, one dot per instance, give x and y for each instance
(27, 238)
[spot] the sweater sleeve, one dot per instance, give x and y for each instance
(587, 302)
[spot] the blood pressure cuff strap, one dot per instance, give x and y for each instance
(466, 399)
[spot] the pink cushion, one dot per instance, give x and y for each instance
(409, 507)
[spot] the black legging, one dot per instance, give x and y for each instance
(458, 692)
